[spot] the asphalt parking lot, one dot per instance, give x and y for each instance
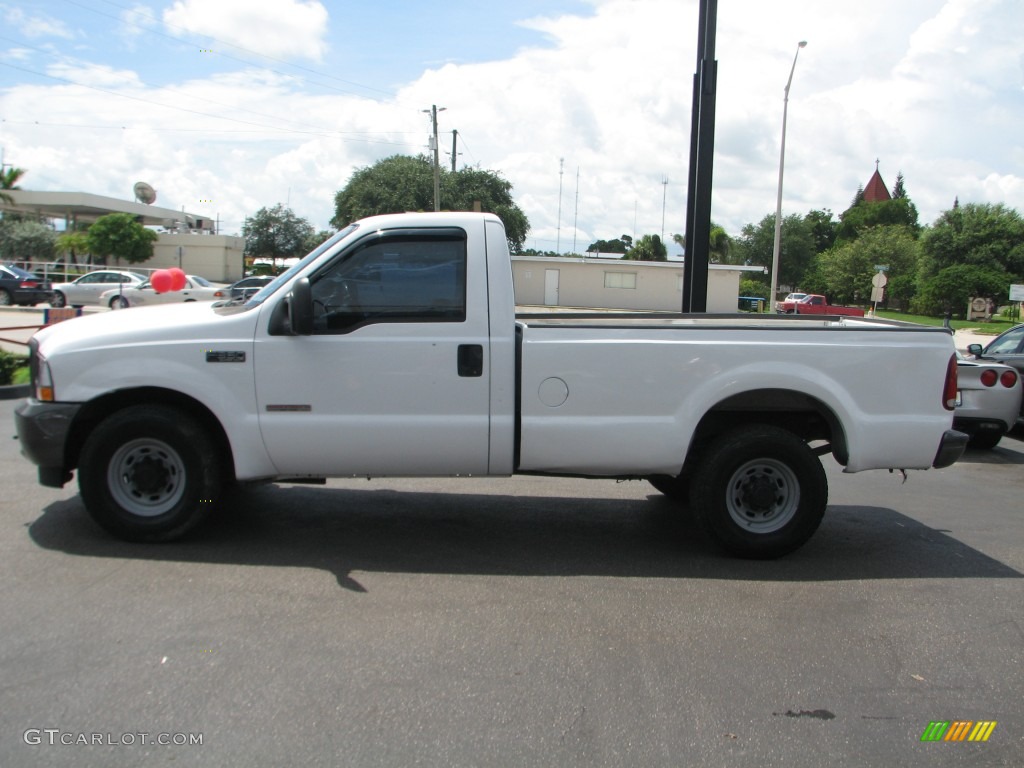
(518, 622)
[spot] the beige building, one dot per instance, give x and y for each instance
(189, 242)
(618, 284)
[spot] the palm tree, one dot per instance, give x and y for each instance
(9, 180)
(719, 244)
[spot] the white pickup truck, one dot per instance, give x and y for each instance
(394, 350)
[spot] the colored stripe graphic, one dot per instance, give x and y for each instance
(958, 730)
(982, 730)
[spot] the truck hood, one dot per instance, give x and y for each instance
(192, 321)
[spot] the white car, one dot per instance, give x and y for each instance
(143, 295)
(89, 288)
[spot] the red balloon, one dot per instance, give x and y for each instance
(161, 281)
(177, 279)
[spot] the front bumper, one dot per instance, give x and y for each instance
(43, 430)
(951, 448)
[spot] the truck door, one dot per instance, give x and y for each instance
(394, 379)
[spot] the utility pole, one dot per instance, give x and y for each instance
(455, 137)
(702, 149)
(664, 195)
(576, 213)
(437, 156)
(561, 170)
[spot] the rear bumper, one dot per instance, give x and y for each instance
(951, 448)
(43, 430)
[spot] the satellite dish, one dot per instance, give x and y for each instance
(145, 193)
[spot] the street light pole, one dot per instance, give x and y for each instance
(778, 201)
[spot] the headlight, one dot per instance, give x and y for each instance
(39, 373)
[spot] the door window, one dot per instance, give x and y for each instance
(392, 279)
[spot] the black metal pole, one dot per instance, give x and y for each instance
(702, 150)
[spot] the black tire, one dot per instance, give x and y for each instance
(676, 488)
(119, 302)
(5, 298)
(984, 441)
(760, 492)
(149, 473)
(58, 300)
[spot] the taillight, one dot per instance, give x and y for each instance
(1008, 379)
(29, 284)
(949, 389)
(989, 377)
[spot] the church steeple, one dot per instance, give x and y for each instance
(875, 191)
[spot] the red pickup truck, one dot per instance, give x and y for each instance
(813, 304)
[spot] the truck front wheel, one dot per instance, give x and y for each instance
(149, 473)
(761, 493)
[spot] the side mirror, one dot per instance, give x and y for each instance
(974, 349)
(300, 308)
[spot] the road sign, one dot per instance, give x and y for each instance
(1017, 293)
(879, 280)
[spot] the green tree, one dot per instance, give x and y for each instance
(26, 240)
(823, 229)
(121, 236)
(73, 243)
(844, 273)
(864, 215)
(719, 245)
(9, 180)
(899, 190)
(756, 246)
(648, 248)
(276, 233)
(316, 239)
(402, 183)
(983, 234)
(952, 287)
(617, 245)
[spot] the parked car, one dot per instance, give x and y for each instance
(88, 288)
(988, 401)
(815, 304)
(247, 286)
(196, 289)
(1006, 348)
(19, 286)
(790, 298)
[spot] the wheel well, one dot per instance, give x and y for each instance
(95, 411)
(803, 415)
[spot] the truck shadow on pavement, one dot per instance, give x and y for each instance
(348, 531)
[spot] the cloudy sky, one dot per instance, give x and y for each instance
(226, 106)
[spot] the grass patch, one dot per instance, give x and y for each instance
(994, 327)
(9, 363)
(20, 376)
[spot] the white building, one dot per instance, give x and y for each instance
(619, 284)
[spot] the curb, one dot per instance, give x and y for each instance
(15, 391)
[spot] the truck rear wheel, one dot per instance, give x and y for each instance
(149, 473)
(761, 493)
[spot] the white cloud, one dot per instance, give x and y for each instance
(284, 28)
(932, 88)
(36, 26)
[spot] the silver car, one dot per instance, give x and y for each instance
(988, 401)
(88, 288)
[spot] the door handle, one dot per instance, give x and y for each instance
(471, 360)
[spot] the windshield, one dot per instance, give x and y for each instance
(261, 295)
(200, 281)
